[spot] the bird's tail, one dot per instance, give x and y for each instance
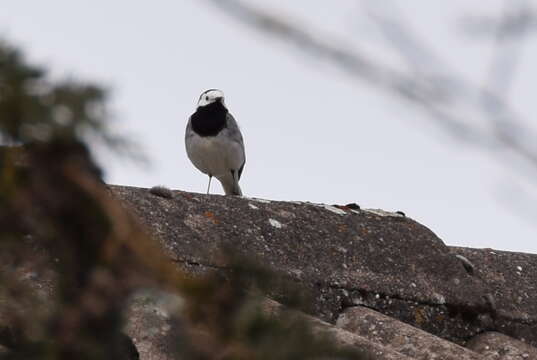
(230, 183)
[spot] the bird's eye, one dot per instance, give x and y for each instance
(207, 98)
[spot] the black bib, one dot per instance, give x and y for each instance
(209, 120)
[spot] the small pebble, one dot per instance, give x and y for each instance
(161, 191)
(468, 266)
(353, 206)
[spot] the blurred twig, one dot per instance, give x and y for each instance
(510, 33)
(450, 100)
(491, 99)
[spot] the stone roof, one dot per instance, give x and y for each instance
(379, 280)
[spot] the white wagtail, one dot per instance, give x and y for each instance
(214, 142)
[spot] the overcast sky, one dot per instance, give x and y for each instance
(311, 133)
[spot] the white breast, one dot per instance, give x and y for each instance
(214, 155)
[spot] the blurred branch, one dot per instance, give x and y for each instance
(522, 20)
(505, 128)
(509, 33)
(508, 45)
(355, 64)
(456, 105)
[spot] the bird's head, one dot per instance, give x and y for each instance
(211, 96)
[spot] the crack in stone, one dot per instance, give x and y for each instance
(413, 300)
(475, 310)
(198, 263)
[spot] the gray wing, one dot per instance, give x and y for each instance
(233, 130)
(235, 134)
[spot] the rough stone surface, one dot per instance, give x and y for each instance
(27, 271)
(152, 326)
(496, 346)
(511, 282)
(348, 259)
(157, 333)
(398, 336)
(375, 351)
(345, 257)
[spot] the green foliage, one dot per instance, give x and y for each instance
(51, 196)
(32, 108)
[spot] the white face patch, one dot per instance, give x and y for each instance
(211, 96)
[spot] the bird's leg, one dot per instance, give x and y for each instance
(209, 186)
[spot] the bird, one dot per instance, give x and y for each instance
(214, 142)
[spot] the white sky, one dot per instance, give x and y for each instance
(311, 133)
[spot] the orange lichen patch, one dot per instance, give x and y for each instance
(440, 317)
(420, 316)
(342, 207)
(342, 228)
(210, 215)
